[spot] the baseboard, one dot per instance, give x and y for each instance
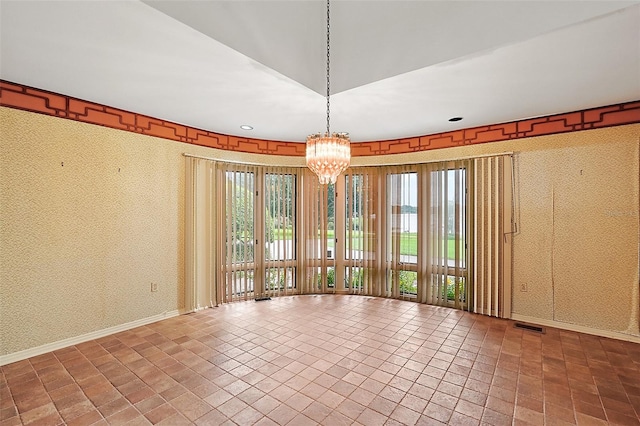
(53, 346)
(578, 328)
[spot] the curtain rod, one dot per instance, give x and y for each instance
(444, 160)
(471, 157)
(248, 163)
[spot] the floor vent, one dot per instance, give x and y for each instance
(529, 327)
(260, 299)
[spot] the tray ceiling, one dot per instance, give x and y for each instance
(398, 68)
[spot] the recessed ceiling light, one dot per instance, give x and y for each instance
(453, 119)
(246, 127)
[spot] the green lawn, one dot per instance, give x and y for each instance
(409, 245)
(408, 241)
(282, 233)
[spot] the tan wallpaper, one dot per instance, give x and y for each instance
(584, 257)
(595, 238)
(92, 216)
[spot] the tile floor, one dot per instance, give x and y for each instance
(331, 360)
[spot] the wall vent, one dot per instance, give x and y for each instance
(260, 299)
(529, 327)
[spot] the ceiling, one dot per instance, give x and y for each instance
(398, 68)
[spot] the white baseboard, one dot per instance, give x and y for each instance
(53, 346)
(578, 328)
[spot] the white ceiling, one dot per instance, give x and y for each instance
(398, 68)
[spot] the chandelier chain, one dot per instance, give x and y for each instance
(329, 155)
(328, 65)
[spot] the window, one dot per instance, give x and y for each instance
(239, 236)
(444, 234)
(280, 232)
(317, 235)
(360, 218)
(402, 233)
(258, 257)
(396, 231)
(405, 232)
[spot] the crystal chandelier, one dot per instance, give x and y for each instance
(328, 155)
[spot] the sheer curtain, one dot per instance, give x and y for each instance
(200, 234)
(460, 253)
(443, 234)
(257, 254)
(240, 245)
(406, 232)
(437, 233)
(281, 216)
(401, 233)
(316, 250)
(365, 264)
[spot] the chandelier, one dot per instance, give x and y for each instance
(328, 155)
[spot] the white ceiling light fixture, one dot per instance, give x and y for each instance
(328, 155)
(246, 127)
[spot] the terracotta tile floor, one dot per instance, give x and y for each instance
(333, 360)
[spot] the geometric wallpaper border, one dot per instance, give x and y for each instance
(18, 96)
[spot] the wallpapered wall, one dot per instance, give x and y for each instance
(579, 233)
(89, 221)
(91, 216)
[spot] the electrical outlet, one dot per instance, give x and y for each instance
(524, 287)
(154, 287)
